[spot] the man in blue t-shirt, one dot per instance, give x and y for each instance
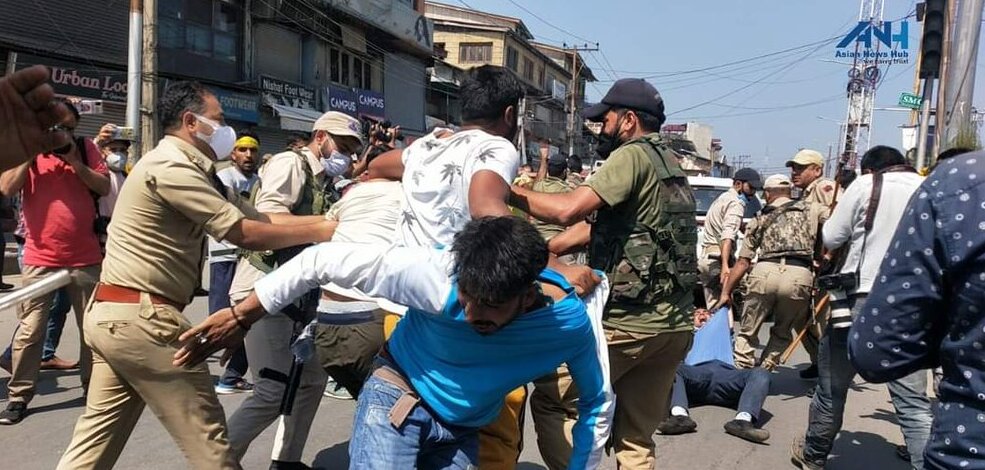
(484, 317)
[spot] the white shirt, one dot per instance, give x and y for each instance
(437, 175)
(108, 202)
(242, 185)
(847, 223)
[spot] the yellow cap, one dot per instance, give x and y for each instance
(807, 157)
(247, 142)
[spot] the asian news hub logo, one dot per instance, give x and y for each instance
(871, 36)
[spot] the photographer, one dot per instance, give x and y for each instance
(114, 144)
(865, 219)
(59, 215)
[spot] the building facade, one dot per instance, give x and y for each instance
(276, 65)
(466, 38)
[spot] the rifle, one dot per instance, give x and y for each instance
(837, 257)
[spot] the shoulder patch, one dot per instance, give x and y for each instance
(828, 188)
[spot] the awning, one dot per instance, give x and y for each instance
(296, 119)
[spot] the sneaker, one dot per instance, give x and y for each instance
(809, 373)
(677, 425)
(902, 452)
(57, 363)
(798, 459)
(15, 412)
(282, 465)
(241, 386)
(745, 430)
(336, 391)
(4, 287)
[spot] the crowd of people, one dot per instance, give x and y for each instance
(434, 280)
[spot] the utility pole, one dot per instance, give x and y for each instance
(961, 73)
(522, 130)
(11, 62)
(940, 108)
(134, 67)
(148, 102)
(573, 109)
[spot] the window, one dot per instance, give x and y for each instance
(511, 58)
(540, 78)
(353, 70)
(357, 72)
(475, 52)
(528, 69)
(335, 73)
(345, 79)
(208, 28)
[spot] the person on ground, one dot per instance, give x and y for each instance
(474, 331)
(721, 232)
(153, 263)
(719, 383)
(292, 184)
(644, 235)
(865, 219)
(450, 178)
(781, 282)
(807, 173)
(240, 177)
(57, 195)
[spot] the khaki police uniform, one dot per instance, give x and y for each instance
(822, 191)
(268, 344)
(548, 230)
(781, 281)
(648, 331)
(153, 265)
(722, 222)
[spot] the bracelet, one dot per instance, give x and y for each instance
(238, 320)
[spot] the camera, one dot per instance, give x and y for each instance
(840, 281)
(123, 133)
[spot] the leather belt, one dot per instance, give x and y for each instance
(409, 398)
(125, 295)
(791, 261)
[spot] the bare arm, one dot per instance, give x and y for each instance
(96, 182)
(542, 170)
(573, 239)
(12, 180)
(488, 194)
(559, 208)
(738, 272)
(388, 166)
(284, 218)
(254, 235)
(726, 248)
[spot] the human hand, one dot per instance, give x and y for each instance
(724, 300)
(219, 330)
(28, 111)
(582, 278)
(325, 229)
(105, 134)
(74, 156)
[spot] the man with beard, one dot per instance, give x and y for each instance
(643, 235)
(240, 178)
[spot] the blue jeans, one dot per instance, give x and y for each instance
(835, 375)
(220, 280)
(719, 384)
(422, 441)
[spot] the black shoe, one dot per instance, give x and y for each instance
(809, 373)
(282, 465)
(199, 292)
(798, 459)
(903, 453)
(15, 412)
(677, 425)
(745, 430)
(4, 287)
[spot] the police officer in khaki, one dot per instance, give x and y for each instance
(806, 173)
(781, 282)
(722, 224)
(153, 264)
(291, 183)
(644, 236)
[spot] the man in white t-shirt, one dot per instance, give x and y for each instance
(450, 178)
(241, 176)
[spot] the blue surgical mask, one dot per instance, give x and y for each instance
(336, 164)
(744, 198)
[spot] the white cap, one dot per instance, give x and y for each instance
(339, 124)
(777, 182)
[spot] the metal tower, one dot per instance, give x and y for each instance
(863, 79)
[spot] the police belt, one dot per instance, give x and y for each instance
(802, 262)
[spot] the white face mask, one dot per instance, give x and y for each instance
(223, 138)
(116, 161)
(336, 164)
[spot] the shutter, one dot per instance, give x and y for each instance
(113, 113)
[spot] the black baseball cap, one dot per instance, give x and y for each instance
(632, 93)
(749, 176)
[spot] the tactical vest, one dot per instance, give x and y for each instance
(312, 201)
(787, 231)
(646, 264)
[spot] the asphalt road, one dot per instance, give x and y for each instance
(867, 441)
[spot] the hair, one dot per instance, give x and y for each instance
(71, 108)
(881, 157)
(557, 168)
(574, 164)
(248, 132)
(376, 151)
(487, 91)
(298, 138)
(498, 258)
(179, 97)
(648, 122)
(953, 152)
(846, 178)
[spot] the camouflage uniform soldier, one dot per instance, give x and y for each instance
(806, 170)
(644, 237)
(722, 225)
(784, 234)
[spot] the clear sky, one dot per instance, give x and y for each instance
(767, 108)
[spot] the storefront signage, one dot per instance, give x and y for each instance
(238, 106)
(355, 102)
(285, 93)
(82, 80)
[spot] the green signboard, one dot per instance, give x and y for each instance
(909, 100)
